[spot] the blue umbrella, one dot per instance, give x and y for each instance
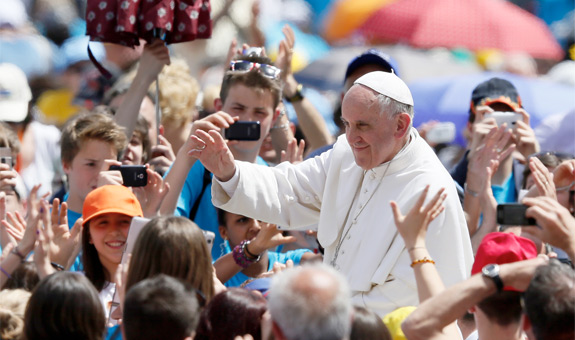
(449, 98)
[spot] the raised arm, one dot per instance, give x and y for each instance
(187, 155)
(310, 120)
(268, 237)
(413, 228)
(492, 148)
(153, 59)
(431, 318)
(557, 225)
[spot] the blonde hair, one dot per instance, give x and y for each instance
(91, 126)
(178, 93)
(12, 307)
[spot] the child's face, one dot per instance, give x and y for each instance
(134, 152)
(250, 105)
(239, 228)
(85, 167)
(108, 234)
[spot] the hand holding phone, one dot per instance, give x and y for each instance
(505, 117)
(441, 133)
(132, 175)
(513, 214)
(243, 130)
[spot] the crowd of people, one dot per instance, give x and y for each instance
(294, 233)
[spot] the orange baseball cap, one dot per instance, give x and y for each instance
(110, 199)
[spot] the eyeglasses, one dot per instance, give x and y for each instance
(266, 70)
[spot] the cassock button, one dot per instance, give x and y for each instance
(348, 237)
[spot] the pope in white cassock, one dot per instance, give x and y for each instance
(346, 191)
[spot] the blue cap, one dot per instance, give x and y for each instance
(372, 57)
(75, 49)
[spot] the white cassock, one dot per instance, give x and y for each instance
(351, 209)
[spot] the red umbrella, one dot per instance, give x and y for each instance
(474, 24)
(125, 21)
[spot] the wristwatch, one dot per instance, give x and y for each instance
(492, 271)
(298, 95)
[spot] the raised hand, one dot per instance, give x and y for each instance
(154, 57)
(294, 152)
(284, 61)
(162, 155)
(213, 152)
(268, 237)
(524, 136)
(564, 175)
(15, 226)
(543, 178)
(26, 245)
(109, 177)
(7, 176)
(494, 148)
(65, 242)
(557, 225)
(152, 195)
(413, 226)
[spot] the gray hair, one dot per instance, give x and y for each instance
(550, 301)
(304, 309)
(393, 107)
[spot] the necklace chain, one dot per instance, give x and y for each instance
(342, 239)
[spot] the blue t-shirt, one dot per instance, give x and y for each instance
(206, 216)
(294, 255)
(507, 192)
(72, 218)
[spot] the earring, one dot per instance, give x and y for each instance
(224, 246)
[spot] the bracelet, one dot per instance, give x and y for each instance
(423, 260)
(283, 127)
(16, 252)
(469, 191)
(5, 273)
(240, 256)
(297, 96)
(58, 267)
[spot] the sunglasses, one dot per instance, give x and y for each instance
(266, 70)
(561, 156)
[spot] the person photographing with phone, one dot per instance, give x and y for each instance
(346, 191)
(246, 112)
(494, 102)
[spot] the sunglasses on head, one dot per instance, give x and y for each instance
(268, 71)
(561, 156)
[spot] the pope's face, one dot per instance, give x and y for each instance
(369, 132)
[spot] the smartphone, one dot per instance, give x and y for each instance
(132, 175)
(505, 117)
(6, 156)
(209, 239)
(243, 130)
(513, 214)
(441, 133)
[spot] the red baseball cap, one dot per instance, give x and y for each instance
(110, 199)
(501, 248)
